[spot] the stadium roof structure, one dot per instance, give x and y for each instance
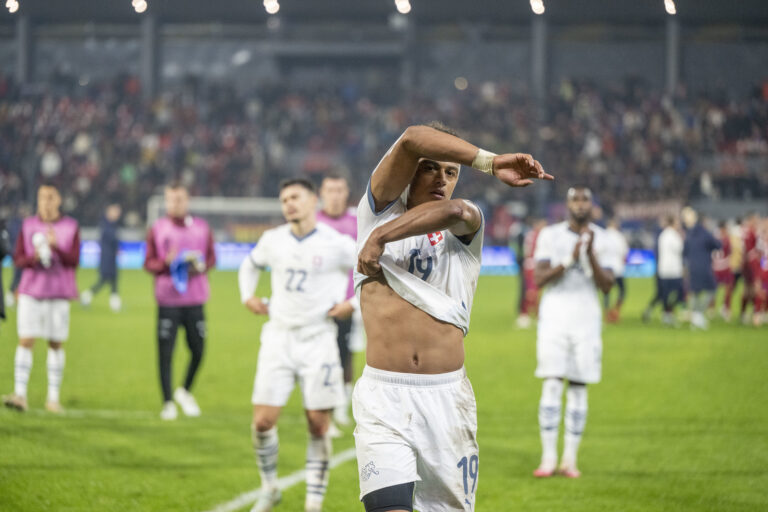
(746, 12)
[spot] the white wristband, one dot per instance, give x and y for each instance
(484, 161)
(567, 262)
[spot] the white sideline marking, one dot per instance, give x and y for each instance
(283, 483)
(97, 413)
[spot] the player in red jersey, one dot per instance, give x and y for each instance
(721, 265)
(751, 267)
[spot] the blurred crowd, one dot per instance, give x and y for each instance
(104, 142)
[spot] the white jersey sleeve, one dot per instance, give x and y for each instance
(259, 255)
(251, 267)
(347, 253)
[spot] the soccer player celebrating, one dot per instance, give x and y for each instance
(179, 254)
(48, 252)
(334, 194)
(310, 266)
(418, 266)
(571, 261)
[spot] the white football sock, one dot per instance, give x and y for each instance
(266, 445)
(348, 388)
(575, 420)
(55, 362)
(318, 458)
(22, 368)
(549, 419)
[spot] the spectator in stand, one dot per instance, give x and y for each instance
(222, 143)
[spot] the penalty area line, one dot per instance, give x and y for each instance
(250, 497)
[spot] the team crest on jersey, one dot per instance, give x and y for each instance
(435, 238)
(367, 471)
(317, 261)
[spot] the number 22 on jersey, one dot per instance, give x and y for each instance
(296, 278)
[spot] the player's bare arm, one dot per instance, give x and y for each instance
(342, 310)
(256, 306)
(397, 168)
(603, 277)
(457, 215)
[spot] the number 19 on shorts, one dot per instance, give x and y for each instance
(469, 468)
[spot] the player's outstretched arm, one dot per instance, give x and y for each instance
(457, 215)
(396, 169)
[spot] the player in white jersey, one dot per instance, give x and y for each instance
(310, 266)
(418, 265)
(573, 260)
(620, 249)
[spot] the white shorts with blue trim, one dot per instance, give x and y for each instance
(418, 428)
(309, 355)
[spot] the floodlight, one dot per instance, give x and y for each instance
(403, 6)
(272, 7)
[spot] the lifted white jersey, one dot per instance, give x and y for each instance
(308, 275)
(436, 272)
(572, 299)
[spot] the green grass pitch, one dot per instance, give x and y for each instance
(678, 423)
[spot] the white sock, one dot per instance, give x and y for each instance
(55, 361)
(318, 458)
(348, 388)
(266, 445)
(22, 368)
(549, 419)
(575, 420)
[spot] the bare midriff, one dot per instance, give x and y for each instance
(403, 338)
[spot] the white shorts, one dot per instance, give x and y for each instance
(418, 428)
(307, 354)
(44, 318)
(575, 354)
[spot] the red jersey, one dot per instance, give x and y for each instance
(721, 257)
